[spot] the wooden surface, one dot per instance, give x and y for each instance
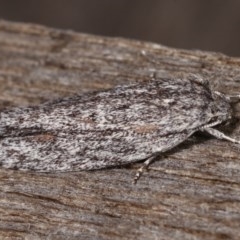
(191, 193)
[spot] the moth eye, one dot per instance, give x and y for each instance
(213, 111)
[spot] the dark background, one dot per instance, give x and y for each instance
(211, 25)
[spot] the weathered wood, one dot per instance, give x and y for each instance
(192, 193)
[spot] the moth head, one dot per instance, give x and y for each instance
(221, 109)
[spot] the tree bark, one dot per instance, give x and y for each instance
(191, 193)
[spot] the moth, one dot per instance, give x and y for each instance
(114, 127)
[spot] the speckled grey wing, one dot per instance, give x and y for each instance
(98, 130)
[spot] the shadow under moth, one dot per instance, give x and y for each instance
(115, 127)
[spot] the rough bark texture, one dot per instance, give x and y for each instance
(192, 193)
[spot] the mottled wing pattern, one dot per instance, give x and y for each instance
(115, 127)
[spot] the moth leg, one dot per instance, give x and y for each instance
(220, 135)
(233, 98)
(142, 168)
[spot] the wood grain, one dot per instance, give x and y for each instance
(191, 193)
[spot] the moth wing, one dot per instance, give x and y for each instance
(44, 152)
(115, 127)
